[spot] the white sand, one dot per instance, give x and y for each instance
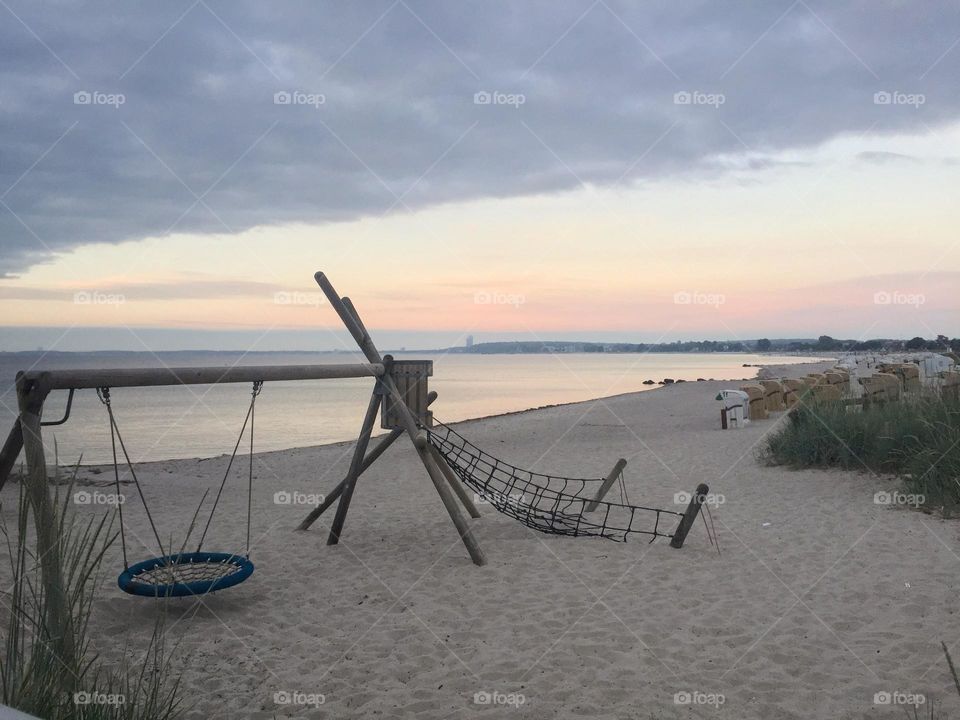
(820, 598)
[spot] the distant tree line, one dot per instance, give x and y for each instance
(824, 343)
(556, 346)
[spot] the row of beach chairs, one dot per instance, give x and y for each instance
(888, 382)
(772, 396)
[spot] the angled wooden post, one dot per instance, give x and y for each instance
(455, 483)
(379, 449)
(419, 439)
(331, 497)
(449, 501)
(356, 462)
(11, 449)
(689, 515)
(607, 483)
(350, 318)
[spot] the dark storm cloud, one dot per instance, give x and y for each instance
(180, 130)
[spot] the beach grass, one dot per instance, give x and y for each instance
(917, 441)
(37, 679)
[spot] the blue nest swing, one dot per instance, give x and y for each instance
(183, 574)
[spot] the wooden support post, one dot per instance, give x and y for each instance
(350, 318)
(450, 503)
(420, 442)
(331, 498)
(59, 620)
(359, 451)
(607, 484)
(11, 449)
(455, 483)
(689, 516)
(380, 448)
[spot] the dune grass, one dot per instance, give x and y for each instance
(34, 677)
(916, 440)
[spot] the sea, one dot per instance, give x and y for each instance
(160, 423)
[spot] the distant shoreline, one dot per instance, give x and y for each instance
(493, 416)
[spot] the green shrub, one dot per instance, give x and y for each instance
(919, 441)
(34, 678)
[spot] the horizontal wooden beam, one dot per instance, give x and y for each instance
(143, 377)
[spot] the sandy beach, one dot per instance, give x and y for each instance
(818, 599)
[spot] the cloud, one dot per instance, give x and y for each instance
(878, 157)
(173, 290)
(122, 123)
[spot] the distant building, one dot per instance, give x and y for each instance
(469, 340)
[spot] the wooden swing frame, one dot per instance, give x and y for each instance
(33, 388)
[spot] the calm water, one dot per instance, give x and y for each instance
(203, 420)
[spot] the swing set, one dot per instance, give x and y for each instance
(550, 504)
(182, 574)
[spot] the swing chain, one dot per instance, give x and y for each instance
(257, 387)
(104, 394)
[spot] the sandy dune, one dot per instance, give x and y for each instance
(819, 600)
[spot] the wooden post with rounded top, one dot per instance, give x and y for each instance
(58, 617)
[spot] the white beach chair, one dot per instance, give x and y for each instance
(735, 408)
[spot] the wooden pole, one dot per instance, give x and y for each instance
(332, 496)
(350, 481)
(10, 452)
(59, 620)
(607, 483)
(351, 319)
(690, 515)
(419, 440)
(378, 450)
(455, 483)
(450, 503)
(145, 377)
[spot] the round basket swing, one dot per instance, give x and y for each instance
(182, 574)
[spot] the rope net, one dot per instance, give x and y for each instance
(188, 572)
(548, 503)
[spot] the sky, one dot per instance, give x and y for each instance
(173, 174)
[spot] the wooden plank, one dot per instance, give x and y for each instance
(410, 377)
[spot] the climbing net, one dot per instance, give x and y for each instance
(548, 503)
